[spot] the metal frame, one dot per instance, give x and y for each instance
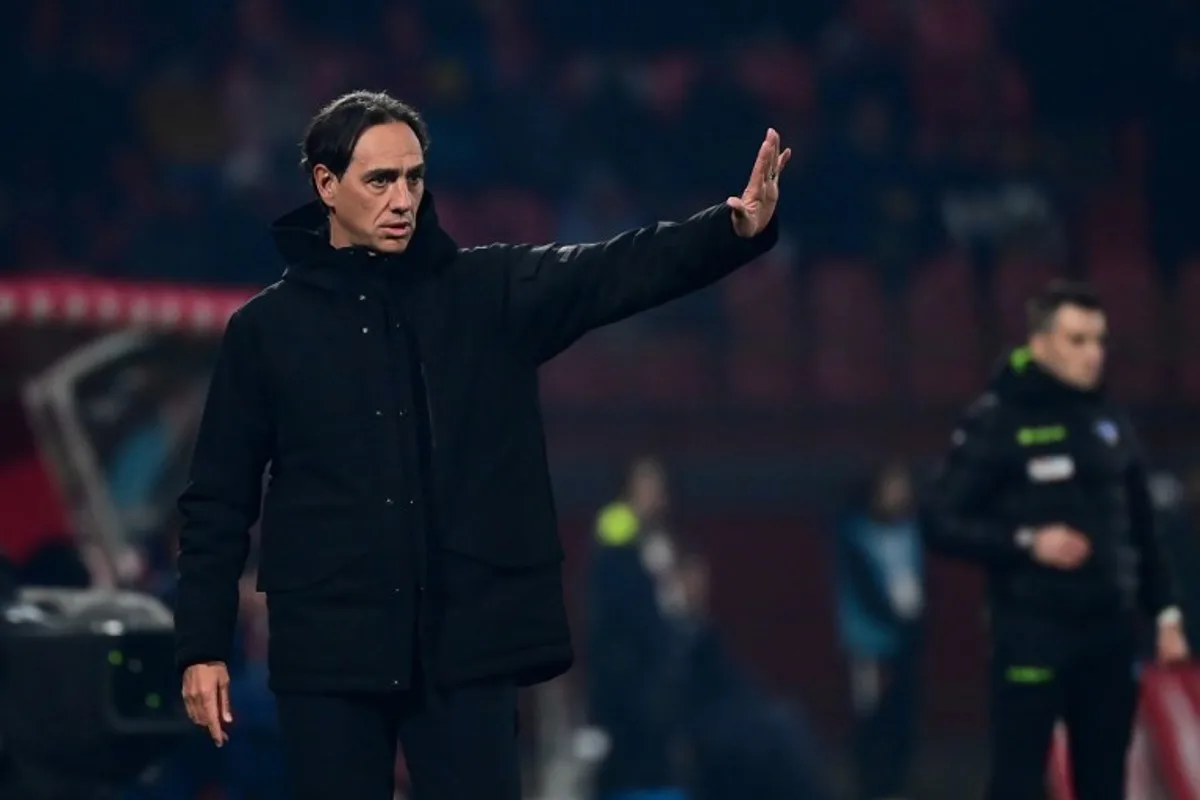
(51, 401)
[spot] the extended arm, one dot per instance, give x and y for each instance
(556, 294)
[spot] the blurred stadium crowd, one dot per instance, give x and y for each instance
(944, 146)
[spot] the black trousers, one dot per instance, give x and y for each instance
(459, 745)
(1082, 675)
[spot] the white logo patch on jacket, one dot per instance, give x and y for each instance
(1050, 469)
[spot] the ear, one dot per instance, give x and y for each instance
(326, 184)
(1037, 345)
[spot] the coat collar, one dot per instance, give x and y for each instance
(302, 239)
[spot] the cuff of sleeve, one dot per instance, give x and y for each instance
(1171, 615)
(190, 653)
(743, 248)
(1024, 539)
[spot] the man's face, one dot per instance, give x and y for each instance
(895, 492)
(1072, 348)
(648, 489)
(375, 203)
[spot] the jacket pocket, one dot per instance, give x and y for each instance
(305, 544)
(512, 544)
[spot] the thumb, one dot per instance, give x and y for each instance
(737, 205)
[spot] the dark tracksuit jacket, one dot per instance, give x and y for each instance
(408, 520)
(1033, 451)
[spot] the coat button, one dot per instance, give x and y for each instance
(365, 330)
(378, 413)
(389, 501)
(362, 297)
(412, 502)
(402, 412)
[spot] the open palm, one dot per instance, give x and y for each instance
(754, 209)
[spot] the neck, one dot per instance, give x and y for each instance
(339, 237)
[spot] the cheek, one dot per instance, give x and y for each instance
(357, 207)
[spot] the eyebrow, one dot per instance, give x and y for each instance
(393, 173)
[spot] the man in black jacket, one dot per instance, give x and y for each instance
(410, 556)
(1046, 487)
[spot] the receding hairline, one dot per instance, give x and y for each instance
(334, 133)
(1054, 316)
(1042, 309)
(356, 153)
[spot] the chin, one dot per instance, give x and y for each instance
(391, 245)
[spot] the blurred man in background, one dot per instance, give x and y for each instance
(1046, 486)
(631, 592)
(683, 717)
(410, 551)
(742, 741)
(880, 600)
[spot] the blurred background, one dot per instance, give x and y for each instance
(951, 156)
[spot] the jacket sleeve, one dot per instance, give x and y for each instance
(959, 515)
(222, 499)
(1156, 580)
(558, 293)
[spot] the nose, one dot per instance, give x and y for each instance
(401, 199)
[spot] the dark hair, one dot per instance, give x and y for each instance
(1041, 308)
(334, 132)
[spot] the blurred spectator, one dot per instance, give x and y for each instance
(741, 741)
(140, 460)
(631, 648)
(880, 577)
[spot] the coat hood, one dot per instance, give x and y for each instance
(302, 238)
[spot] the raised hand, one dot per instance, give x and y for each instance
(754, 209)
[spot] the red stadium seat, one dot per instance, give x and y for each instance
(767, 365)
(953, 31)
(952, 72)
(1016, 100)
(1133, 300)
(943, 339)
(761, 300)
(882, 22)
(513, 215)
(766, 376)
(589, 374)
(853, 325)
(1016, 279)
(1114, 221)
(457, 216)
(675, 371)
